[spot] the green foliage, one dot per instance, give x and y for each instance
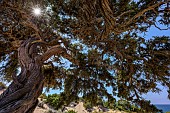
(93, 100)
(146, 106)
(43, 96)
(87, 105)
(53, 100)
(71, 111)
(124, 105)
(111, 103)
(168, 112)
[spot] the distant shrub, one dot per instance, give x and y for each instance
(43, 96)
(53, 100)
(87, 105)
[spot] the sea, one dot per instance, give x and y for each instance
(164, 107)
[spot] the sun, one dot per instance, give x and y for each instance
(36, 11)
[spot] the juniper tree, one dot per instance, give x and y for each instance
(99, 39)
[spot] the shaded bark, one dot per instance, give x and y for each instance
(21, 95)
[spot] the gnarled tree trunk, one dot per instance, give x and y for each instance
(21, 95)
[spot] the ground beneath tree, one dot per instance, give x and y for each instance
(79, 108)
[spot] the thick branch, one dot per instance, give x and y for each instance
(117, 28)
(142, 12)
(52, 51)
(57, 50)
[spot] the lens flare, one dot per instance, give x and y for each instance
(37, 11)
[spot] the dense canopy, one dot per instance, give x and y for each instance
(86, 47)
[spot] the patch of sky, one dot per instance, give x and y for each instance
(52, 91)
(63, 62)
(156, 32)
(138, 62)
(158, 98)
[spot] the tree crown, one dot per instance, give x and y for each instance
(100, 38)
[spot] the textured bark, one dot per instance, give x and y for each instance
(21, 95)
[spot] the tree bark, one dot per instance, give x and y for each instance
(21, 95)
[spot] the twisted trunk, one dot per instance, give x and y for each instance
(21, 95)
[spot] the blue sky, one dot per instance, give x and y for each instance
(160, 98)
(156, 98)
